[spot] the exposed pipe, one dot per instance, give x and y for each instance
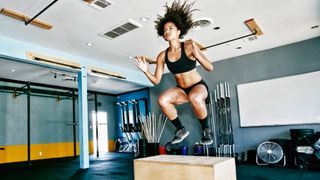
(27, 22)
(224, 42)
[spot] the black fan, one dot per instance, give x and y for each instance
(316, 147)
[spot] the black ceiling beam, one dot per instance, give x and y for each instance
(53, 86)
(35, 91)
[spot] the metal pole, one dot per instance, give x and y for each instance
(28, 122)
(134, 111)
(122, 104)
(216, 110)
(74, 124)
(97, 123)
(83, 118)
(124, 117)
(213, 119)
(228, 98)
(138, 114)
(127, 117)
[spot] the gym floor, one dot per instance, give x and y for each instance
(119, 166)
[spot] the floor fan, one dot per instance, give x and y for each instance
(316, 147)
(270, 153)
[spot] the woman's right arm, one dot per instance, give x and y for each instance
(144, 67)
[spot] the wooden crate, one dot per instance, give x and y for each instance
(175, 167)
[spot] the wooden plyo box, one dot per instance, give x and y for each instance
(176, 167)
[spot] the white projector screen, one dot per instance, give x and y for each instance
(281, 101)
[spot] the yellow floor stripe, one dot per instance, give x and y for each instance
(18, 153)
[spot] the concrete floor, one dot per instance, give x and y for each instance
(119, 166)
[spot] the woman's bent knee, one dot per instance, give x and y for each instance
(163, 101)
(196, 99)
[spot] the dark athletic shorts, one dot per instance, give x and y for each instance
(187, 90)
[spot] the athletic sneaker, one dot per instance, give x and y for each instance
(207, 137)
(180, 135)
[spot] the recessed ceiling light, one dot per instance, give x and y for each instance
(90, 44)
(197, 27)
(314, 27)
(239, 47)
(144, 19)
(12, 70)
(201, 23)
(216, 28)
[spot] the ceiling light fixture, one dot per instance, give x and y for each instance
(12, 70)
(90, 44)
(99, 71)
(239, 47)
(314, 27)
(216, 28)
(44, 59)
(144, 19)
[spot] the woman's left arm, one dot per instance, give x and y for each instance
(200, 57)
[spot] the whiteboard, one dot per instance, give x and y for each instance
(281, 101)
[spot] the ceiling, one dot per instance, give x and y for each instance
(75, 24)
(21, 71)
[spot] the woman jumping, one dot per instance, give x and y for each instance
(180, 58)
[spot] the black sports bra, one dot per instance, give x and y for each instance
(184, 64)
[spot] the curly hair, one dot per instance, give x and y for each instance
(179, 14)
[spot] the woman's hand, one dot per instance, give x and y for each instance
(196, 53)
(142, 64)
(195, 49)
